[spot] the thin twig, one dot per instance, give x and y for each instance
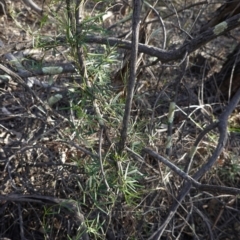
(133, 70)
(161, 22)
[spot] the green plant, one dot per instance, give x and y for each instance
(230, 171)
(47, 220)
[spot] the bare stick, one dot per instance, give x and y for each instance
(133, 69)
